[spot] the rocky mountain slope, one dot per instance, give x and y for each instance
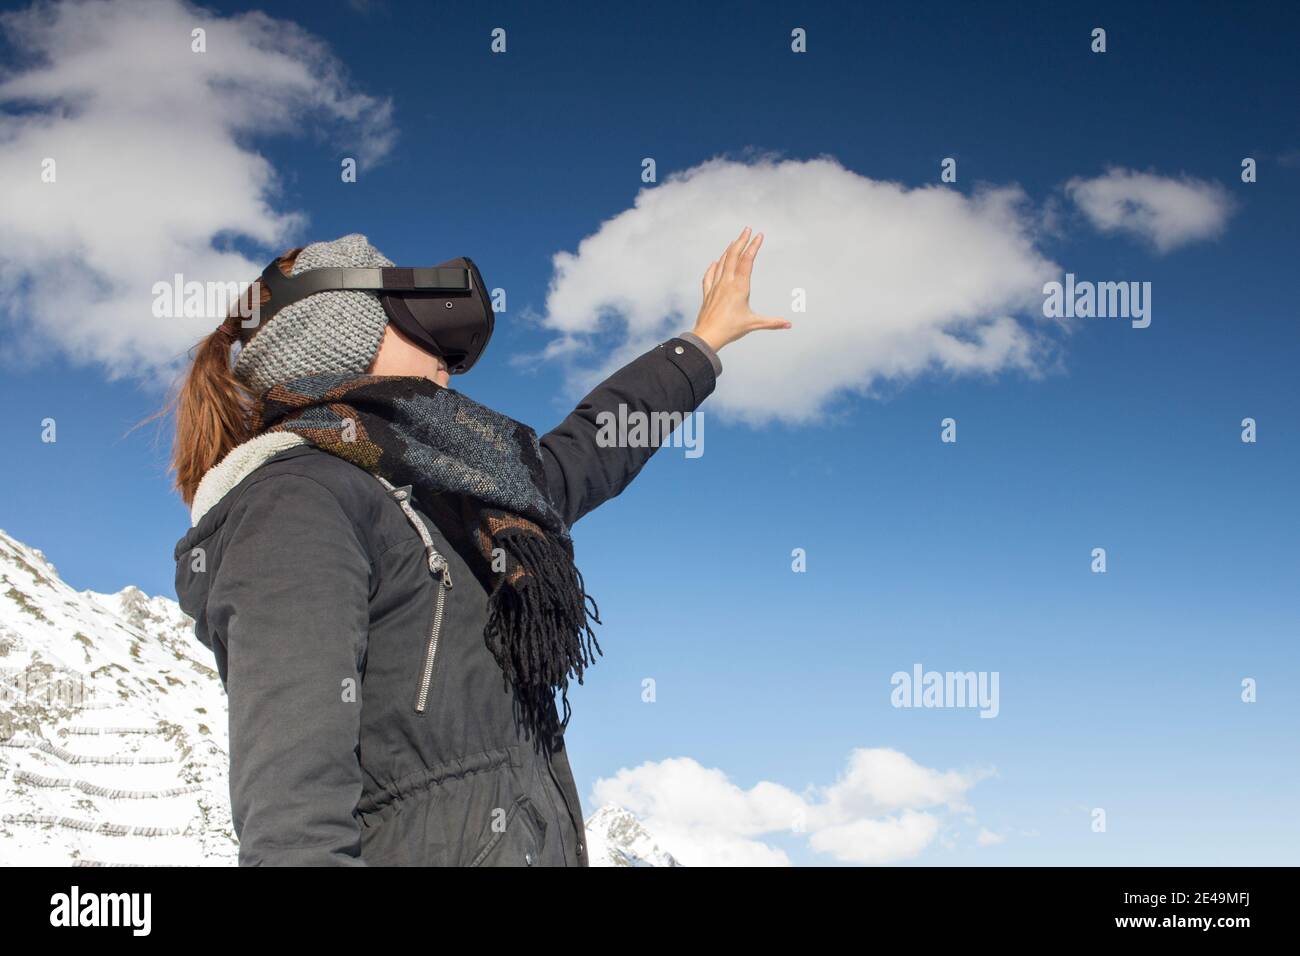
(617, 838)
(113, 745)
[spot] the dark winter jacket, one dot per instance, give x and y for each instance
(358, 736)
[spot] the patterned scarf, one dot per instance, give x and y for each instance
(479, 476)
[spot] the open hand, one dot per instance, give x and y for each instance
(725, 314)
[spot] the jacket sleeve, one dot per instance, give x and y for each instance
(291, 606)
(583, 472)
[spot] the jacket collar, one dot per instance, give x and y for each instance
(238, 464)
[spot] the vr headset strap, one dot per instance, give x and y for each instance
(286, 290)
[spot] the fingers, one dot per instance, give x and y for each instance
(769, 322)
(711, 276)
(745, 264)
(733, 253)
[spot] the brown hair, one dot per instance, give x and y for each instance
(213, 409)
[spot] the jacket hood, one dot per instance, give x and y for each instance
(196, 563)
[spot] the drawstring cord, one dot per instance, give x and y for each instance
(437, 563)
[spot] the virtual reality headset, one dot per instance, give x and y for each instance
(445, 309)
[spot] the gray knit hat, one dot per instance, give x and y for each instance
(325, 333)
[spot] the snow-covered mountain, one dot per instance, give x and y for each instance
(113, 746)
(615, 837)
(113, 733)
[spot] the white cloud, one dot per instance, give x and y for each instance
(874, 842)
(987, 837)
(1165, 211)
(883, 808)
(155, 174)
(899, 281)
(698, 811)
(882, 780)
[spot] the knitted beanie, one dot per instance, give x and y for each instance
(325, 333)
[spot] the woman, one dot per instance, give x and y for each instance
(383, 571)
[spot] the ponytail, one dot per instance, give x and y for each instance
(213, 409)
(212, 414)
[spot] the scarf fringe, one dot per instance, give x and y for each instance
(540, 632)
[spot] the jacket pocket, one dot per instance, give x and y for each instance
(518, 841)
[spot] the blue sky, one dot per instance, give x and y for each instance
(1119, 690)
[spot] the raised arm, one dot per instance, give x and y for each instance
(673, 377)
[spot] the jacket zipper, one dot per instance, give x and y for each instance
(438, 564)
